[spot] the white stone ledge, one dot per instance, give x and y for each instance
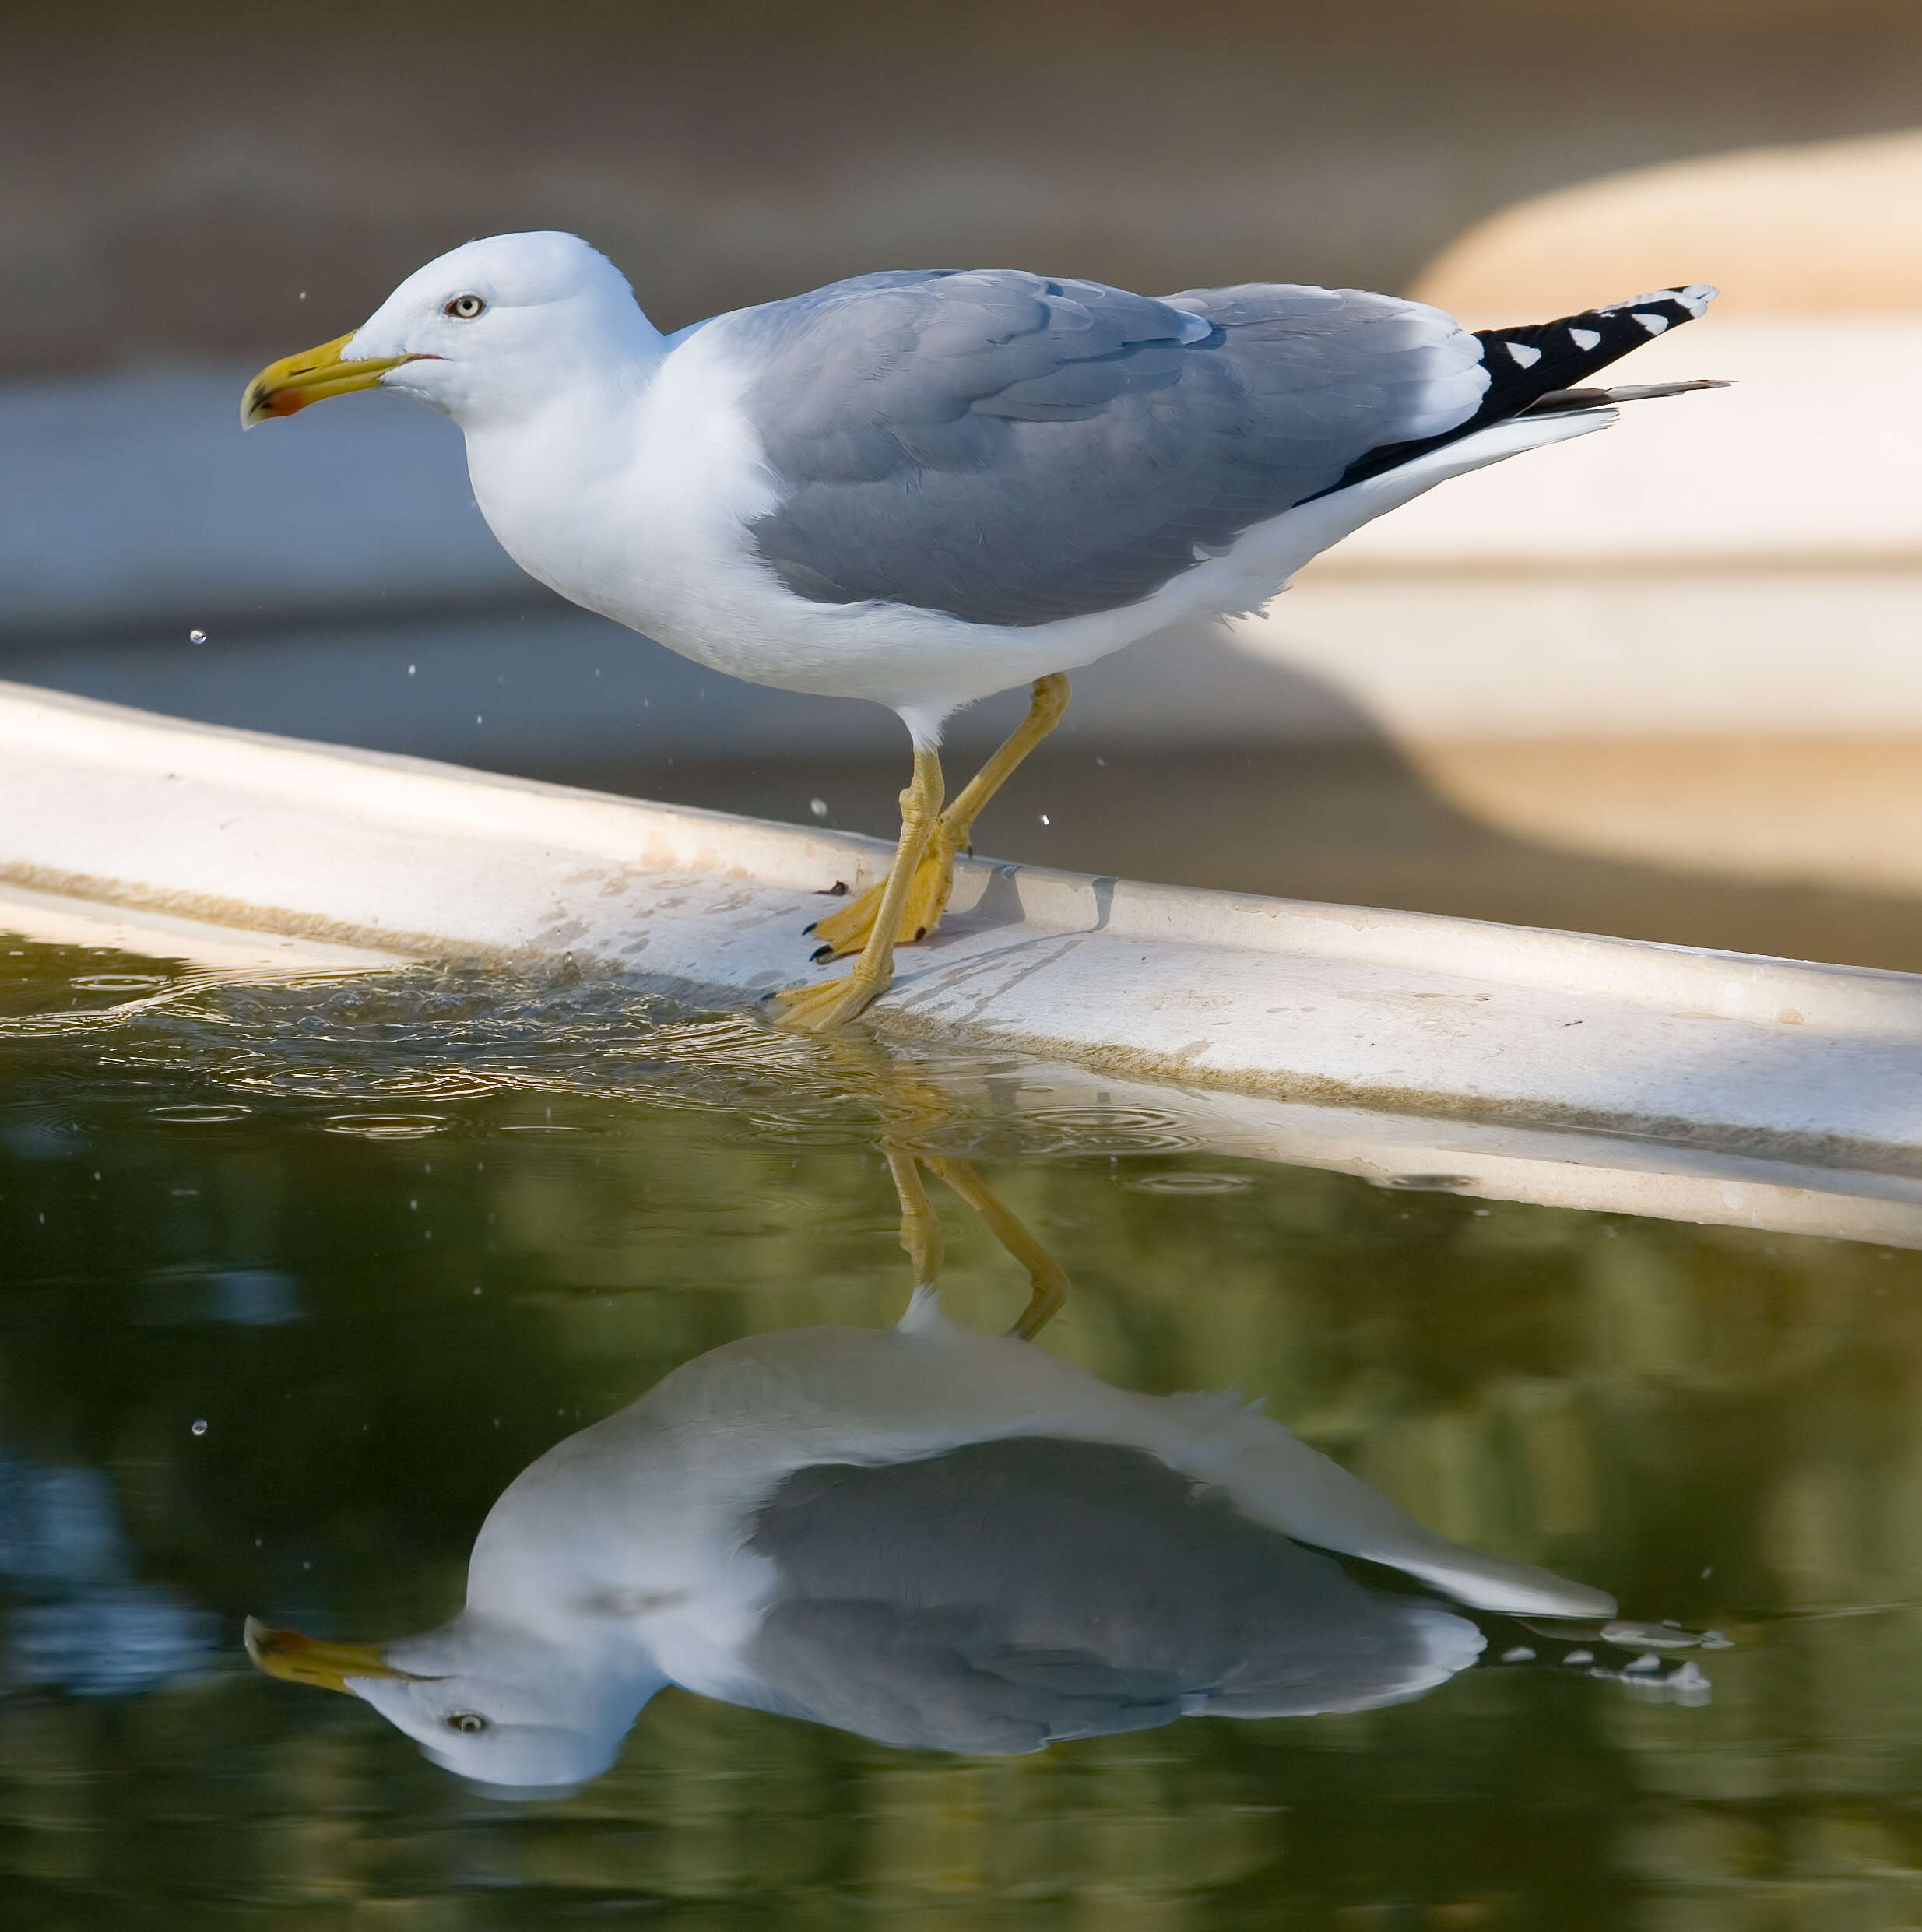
(1717, 1071)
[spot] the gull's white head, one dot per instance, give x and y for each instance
(492, 329)
(497, 1706)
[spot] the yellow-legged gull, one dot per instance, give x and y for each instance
(921, 487)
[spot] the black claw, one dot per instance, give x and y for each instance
(821, 954)
(810, 927)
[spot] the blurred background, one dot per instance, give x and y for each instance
(1663, 682)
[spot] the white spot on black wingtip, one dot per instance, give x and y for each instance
(1525, 356)
(1654, 324)
(1694, 298)
(1586, 338)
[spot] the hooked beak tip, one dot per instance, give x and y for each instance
(303, 1659)
(314, 375)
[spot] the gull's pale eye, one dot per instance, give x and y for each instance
(467, 1722)
(465, 308)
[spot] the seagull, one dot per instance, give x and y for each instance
(934, 1537)
(920, 487)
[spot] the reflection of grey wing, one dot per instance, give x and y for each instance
(1011, 1592)
(1012, 450)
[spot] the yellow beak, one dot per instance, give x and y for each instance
(312, 376)
(286, 1654)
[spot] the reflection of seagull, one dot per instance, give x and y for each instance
(921, 488)
(932, 1537)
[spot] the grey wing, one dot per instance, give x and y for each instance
(1011, 450)
(941, 1679)
(1009, 1593)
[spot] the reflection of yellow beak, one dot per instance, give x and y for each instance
(312, 376)
(286, 1654)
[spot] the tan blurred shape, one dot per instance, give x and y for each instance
(1829, 229)
(1693, 643)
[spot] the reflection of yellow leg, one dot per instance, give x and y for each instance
(926, 897)
(920, 1226)
(834, 1002)
(1048, 1280)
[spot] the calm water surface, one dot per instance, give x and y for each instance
(295, 1279)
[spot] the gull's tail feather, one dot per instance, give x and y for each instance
(1558, 401)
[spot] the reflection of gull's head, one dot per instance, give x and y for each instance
(500, 1706)
(497, 1705)
(929, 1537)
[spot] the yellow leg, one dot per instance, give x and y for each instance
(834, 1002)
(925, 900)
(1048, 1280)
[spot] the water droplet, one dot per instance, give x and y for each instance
(411, 669)
(818, 807)
(301, 296)
(385, 1126)
(1044, 818)
(200, 1429)
(1187, 1180)
(196, 637)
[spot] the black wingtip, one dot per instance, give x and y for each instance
(1542, 368)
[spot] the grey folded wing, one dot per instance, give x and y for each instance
(1005, 1595)
(1011, 450)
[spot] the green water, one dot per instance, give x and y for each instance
(390, 1240)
